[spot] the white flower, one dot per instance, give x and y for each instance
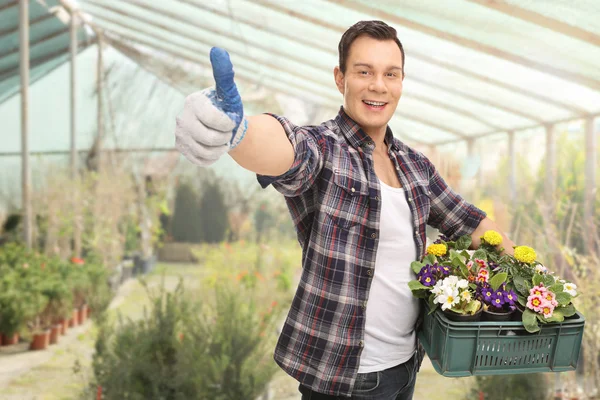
(437, 288)
(448, 299)
(570, 288)
(465, 295)
(451, 281)
(462, 284)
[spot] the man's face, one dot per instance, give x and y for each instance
(373, 76)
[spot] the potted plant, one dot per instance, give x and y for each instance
(544, 297)
(60, 302)
(498, 304)
(443, 279)
(20, 299)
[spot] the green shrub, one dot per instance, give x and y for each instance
(181, 350)
(513, 387)
(214, 219)
(186, 225)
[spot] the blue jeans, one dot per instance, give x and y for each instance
(396, 383)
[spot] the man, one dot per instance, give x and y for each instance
(360, 200)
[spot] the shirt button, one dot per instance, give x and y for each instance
(353, 190)
(370, 272)
(373, 235)
(364, 305)
(409, 199)
(416, 232)
(377, 198)
(361, 343)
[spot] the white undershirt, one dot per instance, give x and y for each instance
(392, 310)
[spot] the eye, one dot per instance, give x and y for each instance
(363, 72)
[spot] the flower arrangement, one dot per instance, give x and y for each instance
(444, 279)
(463, 282)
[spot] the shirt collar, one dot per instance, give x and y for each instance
(356, 136)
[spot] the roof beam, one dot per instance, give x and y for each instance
(11, 31)
(41, 40)
(6, 72)
(499, 106)
(501, 84)
(573, 77)
(270, 65)
(9, 5)
(522, 128)
(454, 109)
(541, 20)
(417, 55)
(182, 19)
(185, 33)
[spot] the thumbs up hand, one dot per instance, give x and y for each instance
(212, 121)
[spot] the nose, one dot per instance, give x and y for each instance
(378, 84)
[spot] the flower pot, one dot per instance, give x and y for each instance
(74, 321)
(489, 315)
(452, 316)
(83, 313)
(55, 333)
(10, 340)
(40, 341)
(518, 313)
(64, 325)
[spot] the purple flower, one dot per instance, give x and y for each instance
(428, 280)
(441, 238)
(445, 270)
(487, 294)
(498, 299)
(510, 297)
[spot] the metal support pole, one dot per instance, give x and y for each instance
(25, 167)
(512, 169)
(77, 223)
(99, 85)
(550, 165)
(590, 180)
(73, 33)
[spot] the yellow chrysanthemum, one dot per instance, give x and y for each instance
(493, 238)
(525, 254)
(437, 249)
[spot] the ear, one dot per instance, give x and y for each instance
(338, 75)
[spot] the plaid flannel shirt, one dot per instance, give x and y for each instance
(333, 196)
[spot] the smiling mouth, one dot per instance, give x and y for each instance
(376, 105)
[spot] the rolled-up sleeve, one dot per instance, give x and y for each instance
(309, 148)
(449, 212)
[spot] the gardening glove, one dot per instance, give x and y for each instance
(212, 121)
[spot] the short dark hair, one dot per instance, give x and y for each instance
(376, 29)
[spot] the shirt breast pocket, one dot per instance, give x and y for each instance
(347, 200)
(422, 198)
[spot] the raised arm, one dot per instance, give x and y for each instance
(213, 123)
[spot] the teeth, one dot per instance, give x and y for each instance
(374, 103)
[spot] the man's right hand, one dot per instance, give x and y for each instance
(212, 122)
